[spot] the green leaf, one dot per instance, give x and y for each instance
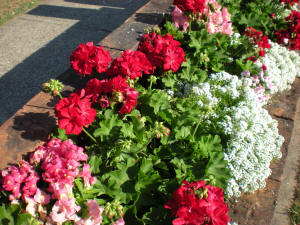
(216, 167)
(159, 101)
(182, 132)
(207, 144)
(181, 168)
(158, 216)
(95, 161)
(174, 31)
(130, 217)
(110, 121)
(8, 213)
(25, 219)
(147, 177)
(127, 130)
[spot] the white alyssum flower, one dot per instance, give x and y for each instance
(283, 66)
(252, 135)
(232, 223)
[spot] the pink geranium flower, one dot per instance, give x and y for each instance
(179, 20)
(86, 175)
(95, 211)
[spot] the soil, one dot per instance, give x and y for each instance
(257, 208)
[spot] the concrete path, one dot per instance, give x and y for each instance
(36, 46)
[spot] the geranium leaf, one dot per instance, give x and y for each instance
(107, 124)
(157, 215)
(159, 101)
(95, 161)
(8, 213)
(127, 130)
(216, 167)
(147, 177)
(25, 219)
(130, 216)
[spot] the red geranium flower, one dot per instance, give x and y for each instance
(290, 2)
(115, 90)
(74, 112)
(291, 35)
(87, 57)
(191, 6)
(198, 204)
(259, 39)
(162, 51)
(96, 88)
(132, 64)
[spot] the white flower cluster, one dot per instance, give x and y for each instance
(253, 139)
(234, 39)
(232, 223)
(282, 65)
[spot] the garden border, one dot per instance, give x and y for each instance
(31, 125)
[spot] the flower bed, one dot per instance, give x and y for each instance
(160, 135)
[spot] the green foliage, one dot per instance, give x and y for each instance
(11, 215)
(174, 31)
(107, 123)
(209, 53)
(256, 14)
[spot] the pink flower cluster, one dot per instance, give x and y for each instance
(215, 18)
(218, 18)
(74, 112)
(21, 181)
(59, 162)
(179, 20)
(292, 34)
(87, 57)
(162, 51)
(198, 204)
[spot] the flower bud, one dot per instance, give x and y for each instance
(53, 86)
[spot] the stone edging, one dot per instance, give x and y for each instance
(288, 183)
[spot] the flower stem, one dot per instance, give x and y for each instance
(59, 95)
(88, 134)
(197, 126)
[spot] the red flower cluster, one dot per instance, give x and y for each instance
(292, 34)
(87, 56)
(258, 38)
(74, 112)
(115, 90)
(191, 6)
(198, 204)
(132, 64)
(21, 181)
(162, 51)
(290, 2)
